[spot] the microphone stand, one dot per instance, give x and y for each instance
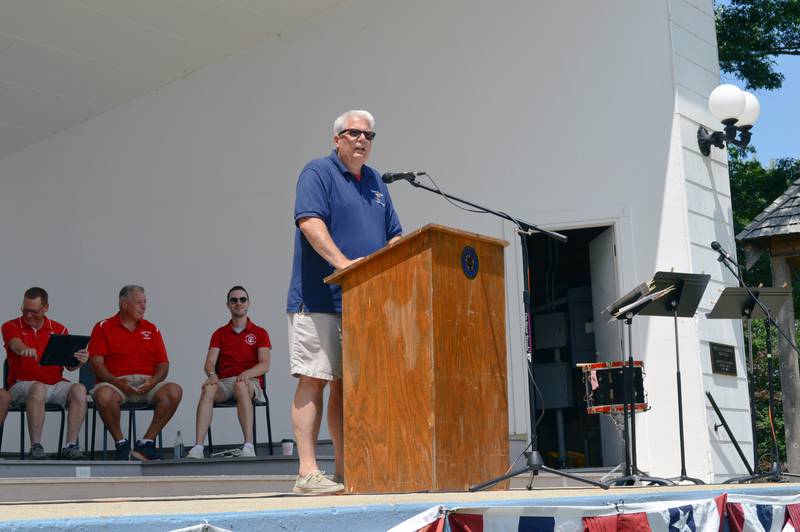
(774, 473)
(535, 462)
(522, 226)
(724, 259)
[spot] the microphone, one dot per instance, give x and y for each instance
(391, 177)
(716, 246)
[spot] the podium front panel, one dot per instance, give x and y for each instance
(388, 376)
(471, 401)
(425, 403)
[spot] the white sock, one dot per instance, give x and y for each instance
(198, 446)
(248, 446)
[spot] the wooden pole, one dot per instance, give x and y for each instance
(790, 376)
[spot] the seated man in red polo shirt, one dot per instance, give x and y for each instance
(130, 361)
(34, 385)
(237, 358)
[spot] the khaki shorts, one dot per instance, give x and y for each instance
(315, 345)
(226, 385)
(57, 393)
(133, 380)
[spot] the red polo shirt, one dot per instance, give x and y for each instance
(27, 368)
(136, 352)
(238, 352)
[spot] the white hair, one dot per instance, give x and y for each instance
(339, 123)
(127, 291)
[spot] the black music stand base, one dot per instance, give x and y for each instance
(534, 464)
(683, 478)
(773, 475)
(631, 480)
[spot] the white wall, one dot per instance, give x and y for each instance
(706, 200)
(560, 113)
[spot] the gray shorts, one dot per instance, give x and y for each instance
(226, 385)
(315, 345)
(133, 380)
(56, 393)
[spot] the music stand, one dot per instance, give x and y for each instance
(680, 302)
(736, 303)
(625, 308)
(766, 299)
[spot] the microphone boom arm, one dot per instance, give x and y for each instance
(522, 226)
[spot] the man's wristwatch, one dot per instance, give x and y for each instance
(210, 374)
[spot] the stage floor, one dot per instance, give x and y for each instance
(281, 510)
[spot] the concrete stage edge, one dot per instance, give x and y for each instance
(281, 511)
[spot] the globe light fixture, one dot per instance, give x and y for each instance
(737, 110)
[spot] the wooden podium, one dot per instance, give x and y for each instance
(423, 336)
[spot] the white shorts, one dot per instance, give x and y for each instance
(315, 345)
(56, 393)
(133, 380)
(226, 385)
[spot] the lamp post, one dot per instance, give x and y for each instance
(737, 110)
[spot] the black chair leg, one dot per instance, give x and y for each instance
(22, 435)
(86, 430)
(94, 426)
(255, 431)
(2, 428)
(210, 442)
(269, 426)
(61, 436)
(132, 427)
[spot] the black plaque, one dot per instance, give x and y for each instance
(723, 359)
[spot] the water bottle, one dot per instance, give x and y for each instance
(177, 447)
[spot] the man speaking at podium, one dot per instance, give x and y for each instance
(342, 213)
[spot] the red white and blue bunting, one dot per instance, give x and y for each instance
(733, 512)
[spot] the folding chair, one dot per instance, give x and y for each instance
(48, 407)
(88, 379)
(231, 403)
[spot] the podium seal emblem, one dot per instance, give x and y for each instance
(469, 262)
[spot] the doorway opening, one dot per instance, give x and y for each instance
(571, 284)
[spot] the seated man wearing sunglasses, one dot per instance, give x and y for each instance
(342, 212)
(130, 362)
(238, 356)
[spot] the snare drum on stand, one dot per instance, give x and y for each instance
(605, 387)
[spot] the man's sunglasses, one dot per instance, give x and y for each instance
(234, 300)
(355, 133)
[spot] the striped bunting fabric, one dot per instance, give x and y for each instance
(763, 514)
(729, 512)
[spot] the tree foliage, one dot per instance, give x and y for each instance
(752, 33)
(753, 188)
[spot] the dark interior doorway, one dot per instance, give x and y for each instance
(563, 334)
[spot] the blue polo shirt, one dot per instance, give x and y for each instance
(360, 218)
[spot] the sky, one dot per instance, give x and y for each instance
(776, 133)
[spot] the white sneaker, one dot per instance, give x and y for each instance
(248, 450)
(196, 453)
(316, 483)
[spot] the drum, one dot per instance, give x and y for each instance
(605, 387)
